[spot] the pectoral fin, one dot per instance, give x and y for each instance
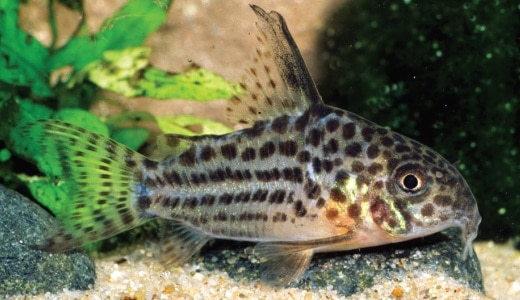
(180, 242)
(283, 263)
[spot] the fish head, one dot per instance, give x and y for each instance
(422, 194)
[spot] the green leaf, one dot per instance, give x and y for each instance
(119, 71)
(190, 125)
(47, 193)
(82, 118)
(133, 137)
(129, 117)
(116, 70)
(195, 84)
(23, 60)
(129, 27)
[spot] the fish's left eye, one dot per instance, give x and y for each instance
(410, 178)
(410, 182)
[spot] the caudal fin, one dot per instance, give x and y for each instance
(100, 176)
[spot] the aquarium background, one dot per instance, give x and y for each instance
(446, 73)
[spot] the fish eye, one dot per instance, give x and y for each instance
(410, 178)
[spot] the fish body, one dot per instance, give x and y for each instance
(303, 178)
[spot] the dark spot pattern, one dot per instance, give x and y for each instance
(337, 195)
(373, 151)
(288, 148)
(314, 137)
(332, 125)
(248, 154)
(304, 156)
(354, 211)
(267, 150)
(387, 141)
(442, 200)
(280, 124)
(349, 130)
(187, 159)
(367, 134)
(357, 166)
(279, 217)
(353, 149)
(207, 153)
(229, 151)
(427, 210)
(299, 209)
(277, 197)
(312, 189)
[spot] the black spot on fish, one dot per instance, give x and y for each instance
(190, 203)
(172, 177)
(341, 176)
(187, 158)
(337, 195)
(375, 168)
(331, 147)
(320, 203)
(304, 156)
(302, 122)
(260, 195)
(357, 166)
(400, 148)
(353, 149)
(328, 165)
(373, 151)
(148, 164)
(207, 200)
(248, 154)
(312, 189)
(207, 153)
(225, 199)
(220, 216)
(293, 174)
(349, 130)
(387, 141)
(277, 197)
(144, 202)
(299, 209)
(242, 197)
(279, 217)
(316, 165)
(314, 137)
(288, 148)
(332, 125)
(229, 151)
(367, 134)
(280, 124)
(267, 150)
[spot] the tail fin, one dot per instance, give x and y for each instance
(100, 176)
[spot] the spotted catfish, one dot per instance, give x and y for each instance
(301, 178)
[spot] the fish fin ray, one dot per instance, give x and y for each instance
(99, 175)
(278, 81)
(283, 263)
(179, 242)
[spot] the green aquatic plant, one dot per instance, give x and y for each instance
(446, 73)
(33, 86)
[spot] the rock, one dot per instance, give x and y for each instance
(438, 255)
(27, 271)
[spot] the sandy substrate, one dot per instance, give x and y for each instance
(136, 274)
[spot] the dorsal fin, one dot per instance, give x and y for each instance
(278, 82)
